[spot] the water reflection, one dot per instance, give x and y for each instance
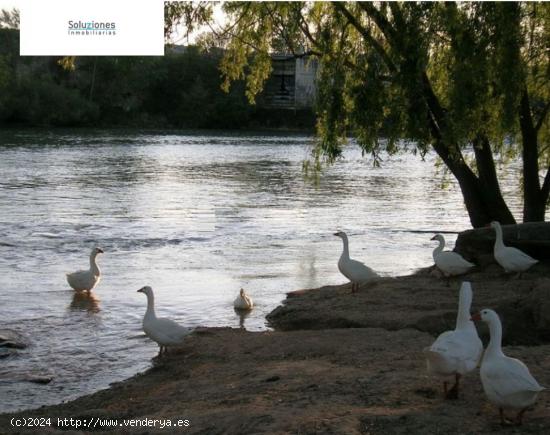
(242, 315)
(85, 301)
(104, 170)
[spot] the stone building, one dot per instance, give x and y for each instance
(291, 84)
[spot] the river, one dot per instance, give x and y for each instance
(197, 217)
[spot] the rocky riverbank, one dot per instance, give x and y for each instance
(339, 363)
(427, 303)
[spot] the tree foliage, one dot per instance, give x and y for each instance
(469, 80)
(186, 15)
(9, 19)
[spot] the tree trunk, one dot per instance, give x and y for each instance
(534, 198)
(483, 201)
(488, 181)
(482, 196)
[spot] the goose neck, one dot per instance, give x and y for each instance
(495, 343)
(150, 313)
(463, 318)
(93, 265)
(499, 243)
(345, 252)
(439, 248)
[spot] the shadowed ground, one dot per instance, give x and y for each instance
(368, 380)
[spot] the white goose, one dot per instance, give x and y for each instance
(86, 279)
(507, 382)
(243, 301)
(448, 262)
(511, 259)
(456, 352)
(164, 331)
(353, 270)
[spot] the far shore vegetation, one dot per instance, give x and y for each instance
(179, 90)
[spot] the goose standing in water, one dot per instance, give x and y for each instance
(448, 262)
(164, 331)
(86, 279)
(355, 271)
(455, 353)
(511, 259)
(507, 382)
(243, 301)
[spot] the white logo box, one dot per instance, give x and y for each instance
(92, 27)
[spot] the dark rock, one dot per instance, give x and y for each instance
(433, 323)
(5, 352)
(36, 379)
(12, 339)
(516, 316)
(428, 393)
(272, 379)
(525, 318)
(533, 238)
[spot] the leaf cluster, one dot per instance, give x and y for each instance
(381, 63)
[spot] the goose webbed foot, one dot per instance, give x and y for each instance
(503, 420)
(519, 417)
(452, 394)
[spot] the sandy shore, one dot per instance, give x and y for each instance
(339, 363)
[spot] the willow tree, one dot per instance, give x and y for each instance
(468, 80)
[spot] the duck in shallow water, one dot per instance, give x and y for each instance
(243, 301)
(86, 280)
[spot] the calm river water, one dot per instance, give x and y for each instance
(197, 217)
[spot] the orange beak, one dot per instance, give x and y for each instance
(476, 317)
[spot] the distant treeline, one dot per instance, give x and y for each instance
(178, 90)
